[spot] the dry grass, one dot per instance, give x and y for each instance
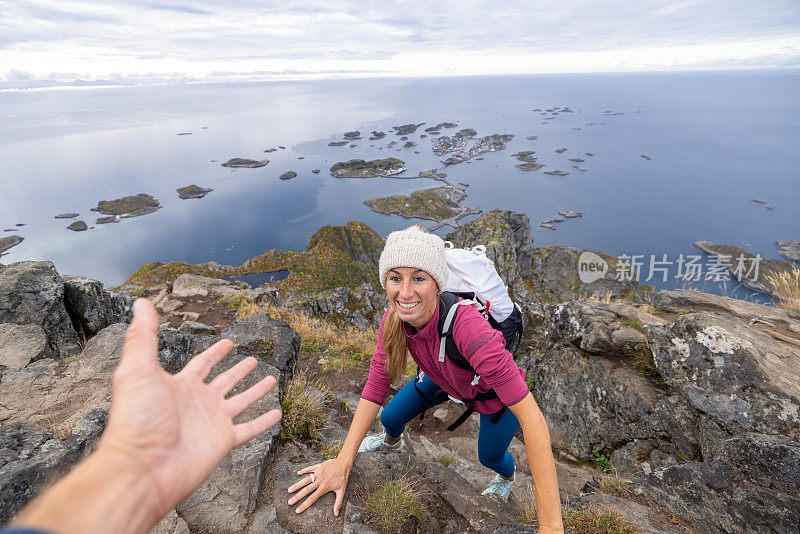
(303, 413)
(447, 459)
(530, 514)
(330, 449)
(596, 520)
(613, 484)
(599, 297)
(395, 502)
(593, 520)
(342, 347)
(787, 285)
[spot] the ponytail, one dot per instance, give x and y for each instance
(395, 344)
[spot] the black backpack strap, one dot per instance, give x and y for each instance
(448, 308)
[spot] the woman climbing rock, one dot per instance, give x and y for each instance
(413, 271)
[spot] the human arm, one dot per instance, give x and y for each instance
(165, 435)
(543, 466)
(332, 475)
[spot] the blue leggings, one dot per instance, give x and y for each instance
(493, 438)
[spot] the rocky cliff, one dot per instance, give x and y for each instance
(691, 400)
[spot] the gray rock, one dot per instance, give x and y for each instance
(46, 395)
(230, 494)
(78, 226)
(195, 328)
(594, 403)
(637, 515)
(22, 344)
(789, 249)
(249, 334)
(70, 215)
(595, 327)
(318, 518)
(32, 292)
(682, 300)
(171, 524)
(742, 378)
(93, 307)
(361, 307)
(264, 521)
(748, 484)
(191, 285)
(39, 461)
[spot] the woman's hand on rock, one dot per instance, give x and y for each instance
(319, 479)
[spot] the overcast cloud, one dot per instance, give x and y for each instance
(115, 41)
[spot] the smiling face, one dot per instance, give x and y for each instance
(413, 294)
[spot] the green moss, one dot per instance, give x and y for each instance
(633, 324)
(336, 257)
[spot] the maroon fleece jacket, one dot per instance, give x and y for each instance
(484, 348)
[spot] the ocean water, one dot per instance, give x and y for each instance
(715, 140)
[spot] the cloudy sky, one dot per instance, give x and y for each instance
(116, 41)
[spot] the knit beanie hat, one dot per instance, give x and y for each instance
(413, 247)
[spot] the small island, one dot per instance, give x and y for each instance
(352, 136)
(132, 206)
(67, 215)
(246, 163)
(358, 168)
(528, 161)
(377, 135)
(406, 129)
(10, 241)
(193, 191)
(560, 150)
(437, 204)
(556, 173)
(77, 226)
(315, 171)
(459, 145)
(440, 126)
(288, 175)
(529, 166)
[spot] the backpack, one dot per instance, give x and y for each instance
(474, 279)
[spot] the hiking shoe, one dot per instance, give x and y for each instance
(377, 442)
(499, 486)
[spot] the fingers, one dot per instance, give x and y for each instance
(309, 469)
(225, 381)
(141, 340)
(310, 500)
(337, 506)
(201, 364)
(308, 487)
(244, 432)
(239, 403)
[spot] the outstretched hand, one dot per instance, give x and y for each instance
(175, 429)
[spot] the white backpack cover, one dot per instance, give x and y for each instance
(472, 272)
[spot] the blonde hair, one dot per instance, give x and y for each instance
(395, 344)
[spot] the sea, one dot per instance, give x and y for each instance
(676, 157)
